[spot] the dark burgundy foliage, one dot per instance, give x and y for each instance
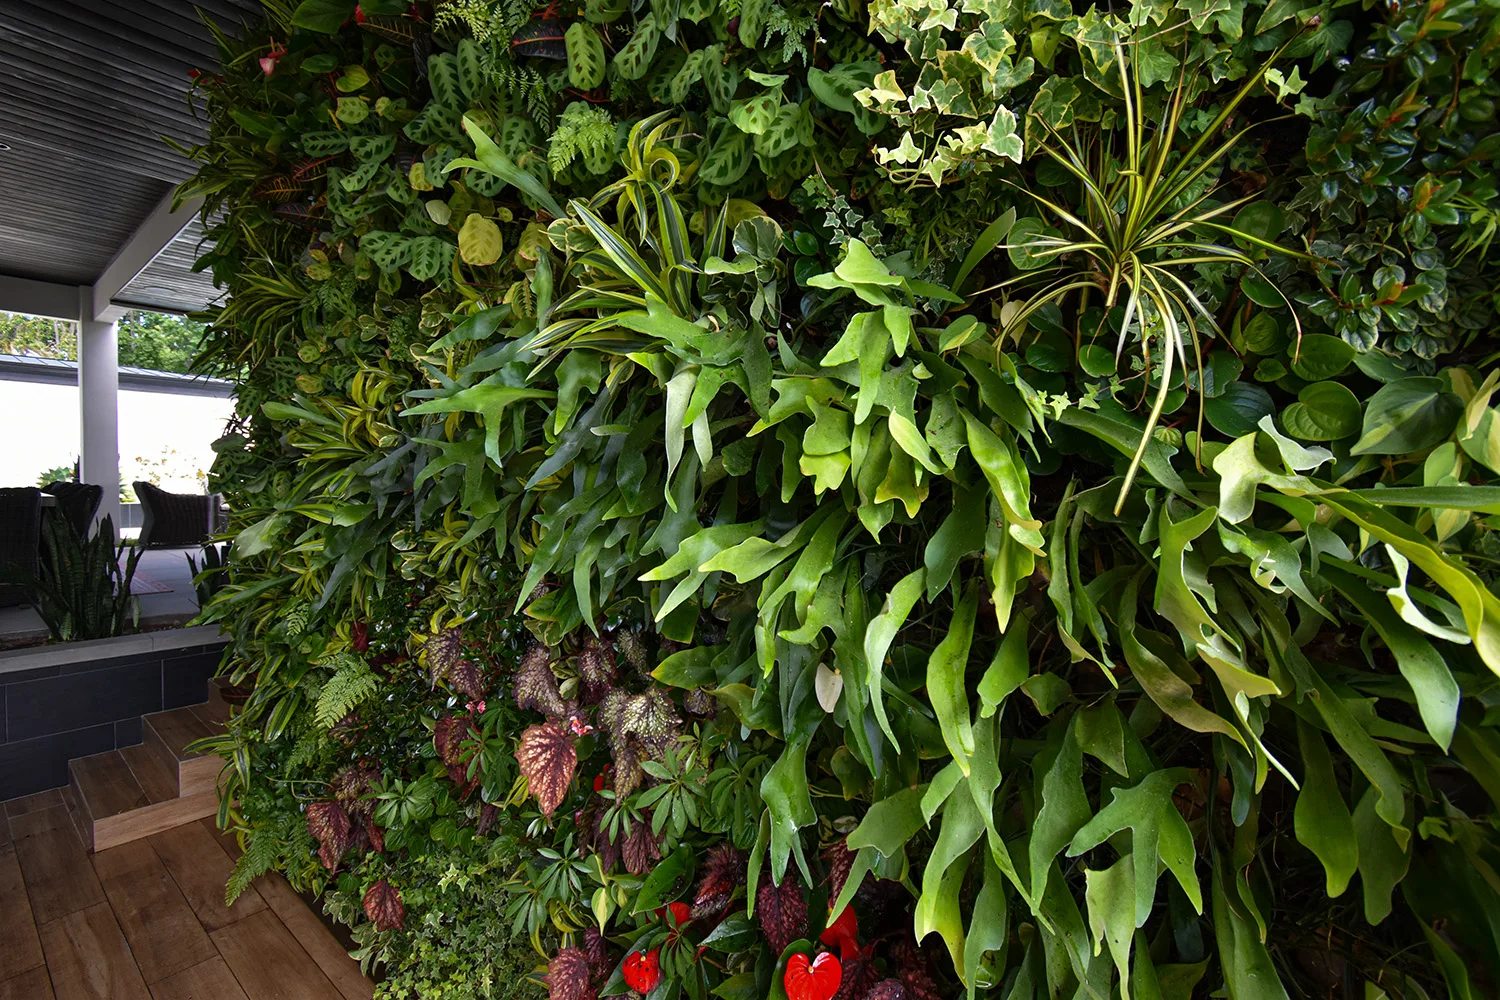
(443, 651)
(468, 679)
(859, 977)
(723, 871)
(641, 849)
(536, 685)
(488, 814)
(597, 950)
(548, 759)
(700, 703)
(359, 637)
(781, 911)
(909, 962)
(886, 989)
(840, 862)
(383, 906)
(596, 669)
(329, 825)
(376, 835)
(570, 976)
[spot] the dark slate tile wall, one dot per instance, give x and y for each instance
(50, 715)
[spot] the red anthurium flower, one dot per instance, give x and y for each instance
(843, 933)
(680, 913)
(600, 778)
(817, 979)
(267, 65)
(642, 970)
(359, 15)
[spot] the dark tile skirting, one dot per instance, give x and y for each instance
(76, 699)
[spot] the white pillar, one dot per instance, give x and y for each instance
(99, 398)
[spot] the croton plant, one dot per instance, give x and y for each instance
(866, 499)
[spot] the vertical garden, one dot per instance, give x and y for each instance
(866, 499)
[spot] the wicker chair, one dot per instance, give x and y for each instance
(78, 502)
(20, 540)
(176, 520)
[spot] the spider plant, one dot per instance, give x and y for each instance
(1144, 216)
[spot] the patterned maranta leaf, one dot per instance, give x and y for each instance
(729, 159)
(473, 77)
(430, 257)
(585, 56)
(479, 241)
(604, 11)
(548, 759)
(442, 75)
(755, 114)
(635, 58)
(324, 143)
(690, 73)
(791, 127)
(752, 21)
(389, 251)
(373, 147)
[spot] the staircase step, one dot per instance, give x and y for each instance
(216, 709)
(167, 734)
(114, 809)
(157, 776)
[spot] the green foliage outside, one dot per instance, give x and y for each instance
(147, 340)
(764, 498)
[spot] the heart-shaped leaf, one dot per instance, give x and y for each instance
(547, 758)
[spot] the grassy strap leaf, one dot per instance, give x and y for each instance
(1418, 660)
(937, 906)
(864, 861)
(1321, 819)
(1157, 830)
(1058, 769)
(945, 679)
(880, 635)
(890, 822)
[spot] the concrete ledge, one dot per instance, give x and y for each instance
(68, 653)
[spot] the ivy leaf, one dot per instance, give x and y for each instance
(384, 907)
(1157, 830)
(547, 758)
(1002, 139)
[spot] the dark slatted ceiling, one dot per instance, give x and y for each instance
(88, 91)
(168, 283)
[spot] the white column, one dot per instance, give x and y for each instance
(99, 398)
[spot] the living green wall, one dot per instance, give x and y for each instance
(866, 499)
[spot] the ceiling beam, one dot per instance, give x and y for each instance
(149, 239)
(38, 298)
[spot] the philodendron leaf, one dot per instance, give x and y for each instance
(1157, 831)
(1408, 415)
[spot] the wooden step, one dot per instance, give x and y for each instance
(167, 736)
(114, 808)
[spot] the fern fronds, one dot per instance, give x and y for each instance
(582, 131)
(262, 851)
(352, 683)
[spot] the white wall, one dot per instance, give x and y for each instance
(163, 437)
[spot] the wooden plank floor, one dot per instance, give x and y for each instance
(147, 921)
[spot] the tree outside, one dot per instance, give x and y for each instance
(156, 341)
